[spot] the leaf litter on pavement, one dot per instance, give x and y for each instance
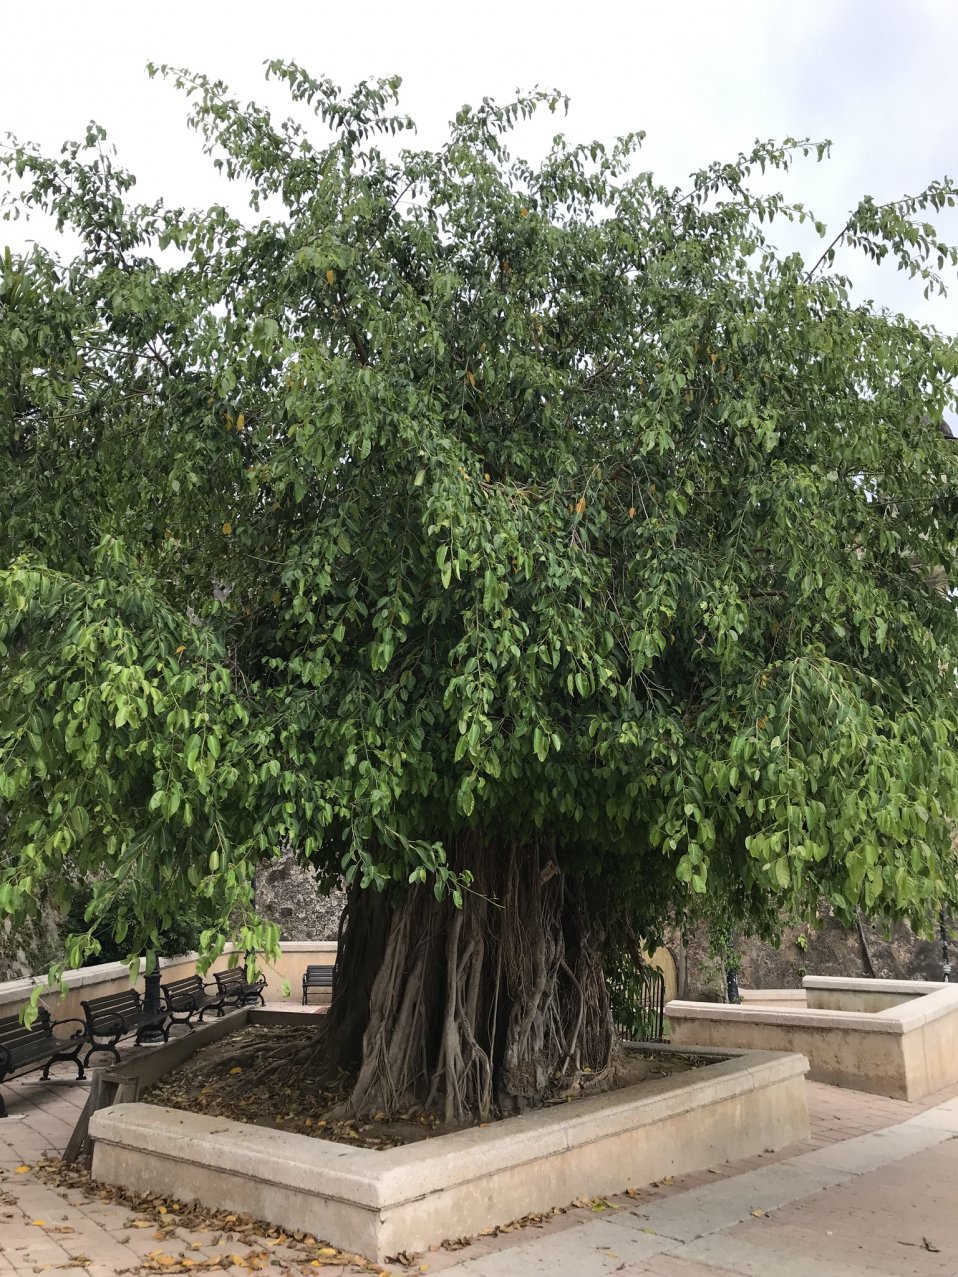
(241, 1242)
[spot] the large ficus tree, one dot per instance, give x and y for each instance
(537, 547)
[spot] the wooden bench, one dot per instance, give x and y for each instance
(235, 988)
(317, 977)
(23, 1049)
(189, 997)
(114, 1016)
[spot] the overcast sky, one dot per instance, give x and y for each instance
(703, 79)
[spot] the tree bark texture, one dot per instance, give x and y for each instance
(475, 1012)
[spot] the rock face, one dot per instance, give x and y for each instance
(288, 896)
(829, 950)
(29, 948)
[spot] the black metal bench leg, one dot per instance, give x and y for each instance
(64, 1056)
(111, 1048)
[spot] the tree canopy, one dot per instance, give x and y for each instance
(450, 500)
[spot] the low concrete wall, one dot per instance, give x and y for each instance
(836, 993)
(787, 999)
(905, 1051)
(379, 1203)
(113, 977)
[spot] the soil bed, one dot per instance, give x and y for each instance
(247, 1077)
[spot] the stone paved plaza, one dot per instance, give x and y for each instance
(874, 1191)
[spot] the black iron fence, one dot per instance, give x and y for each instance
(637, 996)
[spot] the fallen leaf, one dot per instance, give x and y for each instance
(20, 1170)
(758, 1213)
(38, 1223)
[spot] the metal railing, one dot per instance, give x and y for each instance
(637, 997)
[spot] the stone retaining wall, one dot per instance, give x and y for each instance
(113, 977)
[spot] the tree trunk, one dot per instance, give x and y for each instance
(472, 1012)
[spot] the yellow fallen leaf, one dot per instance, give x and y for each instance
(328, 1250)
(20, 1170)
(236, 1070)
(181, 649)
(227, 529)
(142, 1223)
(758, 1213)
(580, 509)
(38, 1223)
(330, 277)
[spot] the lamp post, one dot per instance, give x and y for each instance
(731, 972)
(151, 1034)
(731, 986)
(943, 936)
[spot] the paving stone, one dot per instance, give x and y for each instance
(593, 1248)
(867, 1153)
(717, 1207)
(732, 1255)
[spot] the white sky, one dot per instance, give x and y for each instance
(703, 79)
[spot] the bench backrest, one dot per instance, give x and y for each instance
(318, 977)
(192, 984)
(231, 977)
(183, 992)
(113, 1006)
(19, 1040)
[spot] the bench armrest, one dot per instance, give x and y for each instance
(71, 1019)
(106, 1023)
(180, 1002)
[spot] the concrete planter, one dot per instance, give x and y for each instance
(379, 1203)
(890, 1037)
